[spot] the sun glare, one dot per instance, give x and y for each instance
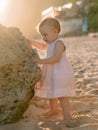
(3, 5)
(69, 5)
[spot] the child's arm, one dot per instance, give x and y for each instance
(38, 44)
(58, 51)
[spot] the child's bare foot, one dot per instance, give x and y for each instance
(50, 113)
(71, 116)
(67, 118)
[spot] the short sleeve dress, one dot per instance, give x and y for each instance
(57, 79)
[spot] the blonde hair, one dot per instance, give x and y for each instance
(52, 22)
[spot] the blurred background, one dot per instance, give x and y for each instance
(77, 17)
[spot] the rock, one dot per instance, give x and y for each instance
(18, 75)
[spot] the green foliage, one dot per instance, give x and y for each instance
(93, 18)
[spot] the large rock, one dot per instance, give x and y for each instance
(18, 75)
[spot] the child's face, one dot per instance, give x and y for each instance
(48, 33)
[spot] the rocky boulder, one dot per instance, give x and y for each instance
(18, 75)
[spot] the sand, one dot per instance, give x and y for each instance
(83, 53)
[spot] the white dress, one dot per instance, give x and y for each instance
(57, 79)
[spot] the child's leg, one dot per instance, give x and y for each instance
(65, 108)
(53, 107)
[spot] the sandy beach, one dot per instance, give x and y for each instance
(83, 54)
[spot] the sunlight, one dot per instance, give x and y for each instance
(48, 12)
(69, 5)
(3, 5)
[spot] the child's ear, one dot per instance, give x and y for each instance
(56, 31)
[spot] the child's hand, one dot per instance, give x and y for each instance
(29, 41)
(37, 60)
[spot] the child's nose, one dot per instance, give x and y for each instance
(43, 38)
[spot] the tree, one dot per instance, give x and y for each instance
(93, 17)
